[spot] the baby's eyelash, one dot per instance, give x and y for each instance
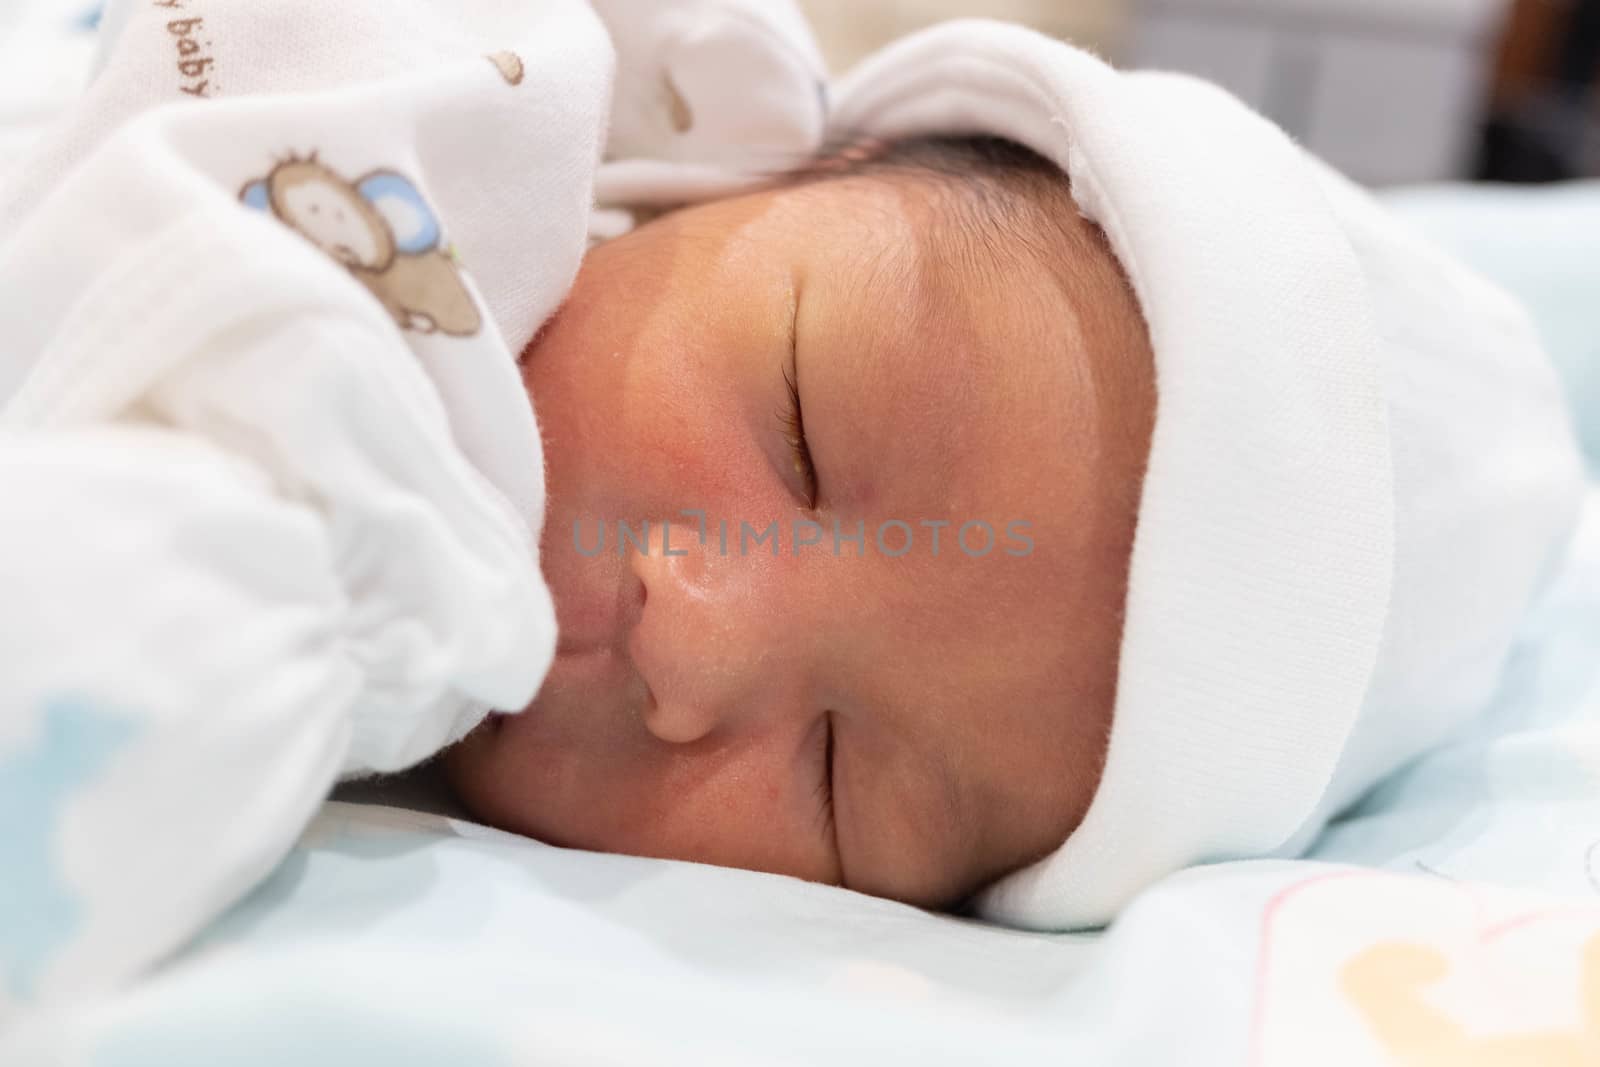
(794, 424)
(825, 784)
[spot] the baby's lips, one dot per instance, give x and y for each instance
(491, 725)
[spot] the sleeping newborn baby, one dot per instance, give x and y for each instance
(1064, 482)
(901, 341)
(982, 659)
(886, 358)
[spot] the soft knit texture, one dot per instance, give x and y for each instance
(1360, 470)
(273, 488)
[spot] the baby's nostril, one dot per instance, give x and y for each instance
(632, 595)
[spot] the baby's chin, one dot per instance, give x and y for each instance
(465, 764)
(528, 772)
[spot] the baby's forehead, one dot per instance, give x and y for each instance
(949, 359)
(997, 355)
(1019, 238)
(985, 261)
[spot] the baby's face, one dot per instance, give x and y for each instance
(906, 722)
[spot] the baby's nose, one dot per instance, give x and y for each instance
(713, 642)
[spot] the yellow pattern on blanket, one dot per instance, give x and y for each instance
(1388, 983)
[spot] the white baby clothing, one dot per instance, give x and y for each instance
(274, 487)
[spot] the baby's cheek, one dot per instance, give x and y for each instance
(643, 444)
(724, 803)
(728, 805)
(738, 811)
(697, 448)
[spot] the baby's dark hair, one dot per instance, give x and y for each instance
(954, 156)
(1004, 191)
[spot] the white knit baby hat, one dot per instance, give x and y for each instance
(1361, 463)
(1262, 561)
(1360, 466)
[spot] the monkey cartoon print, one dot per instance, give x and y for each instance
(383, 231)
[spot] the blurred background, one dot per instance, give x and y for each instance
(1390, 91)
(1393, 92)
